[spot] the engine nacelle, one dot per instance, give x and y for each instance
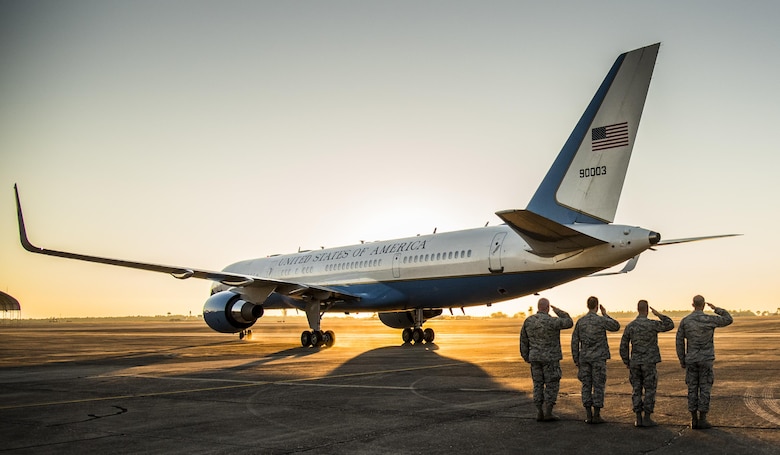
(405, 319)
(226, 312)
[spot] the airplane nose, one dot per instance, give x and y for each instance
(654, 238)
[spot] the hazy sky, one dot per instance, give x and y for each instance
(202, 133)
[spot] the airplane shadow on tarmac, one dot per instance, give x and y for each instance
(429, 379)
(386, 385)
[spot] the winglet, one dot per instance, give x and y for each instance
(22, 231)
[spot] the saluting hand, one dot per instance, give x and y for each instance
(654, 312)
(603, 311)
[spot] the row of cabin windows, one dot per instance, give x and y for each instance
(437, 257)
(353, 265)
(407, 260)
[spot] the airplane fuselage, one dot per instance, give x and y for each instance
(445, 270)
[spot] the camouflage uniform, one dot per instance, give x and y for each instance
(590, 351)
(642, 335)
(540, 345)
(696, 352)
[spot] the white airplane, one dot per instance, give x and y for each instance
(564, 234)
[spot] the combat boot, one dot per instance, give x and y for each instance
(639, 422)
(694, 420)
(597, 416)
(548, 415)
(588, 414)
(539, 413)
(703, 423)
(648, 421)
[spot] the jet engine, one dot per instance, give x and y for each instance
(405, 319)
(226, 312)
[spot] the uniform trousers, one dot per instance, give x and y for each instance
(547, 381)
(593, 376)
(644, 380)
(699, 376)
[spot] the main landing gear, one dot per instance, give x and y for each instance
(417, 334)
(315, 337)
(318, 338)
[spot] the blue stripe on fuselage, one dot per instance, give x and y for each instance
(451, 292)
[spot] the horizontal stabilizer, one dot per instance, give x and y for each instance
(694, 239)
(546, 237)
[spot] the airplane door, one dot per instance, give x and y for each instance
(397, 265)
(495, 253)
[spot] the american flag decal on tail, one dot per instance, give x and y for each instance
(610, 136)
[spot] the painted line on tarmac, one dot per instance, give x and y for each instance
(177, 378)
(389, 371)
(473, 405)
(126, 397)
(245, 383)
(345, 386)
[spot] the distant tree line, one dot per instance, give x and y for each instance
(683, 313)
(632, 314)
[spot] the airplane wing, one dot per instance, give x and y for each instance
(299, 291)
(547, 238)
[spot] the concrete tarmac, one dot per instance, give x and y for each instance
(177, 387)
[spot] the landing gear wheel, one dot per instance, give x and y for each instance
(306, 339)
(428, 335)
(241, 335)
(317, 338)
(417, 335)
(330, 338)
(406, 335)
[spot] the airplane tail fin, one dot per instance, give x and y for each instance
(585, 181)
